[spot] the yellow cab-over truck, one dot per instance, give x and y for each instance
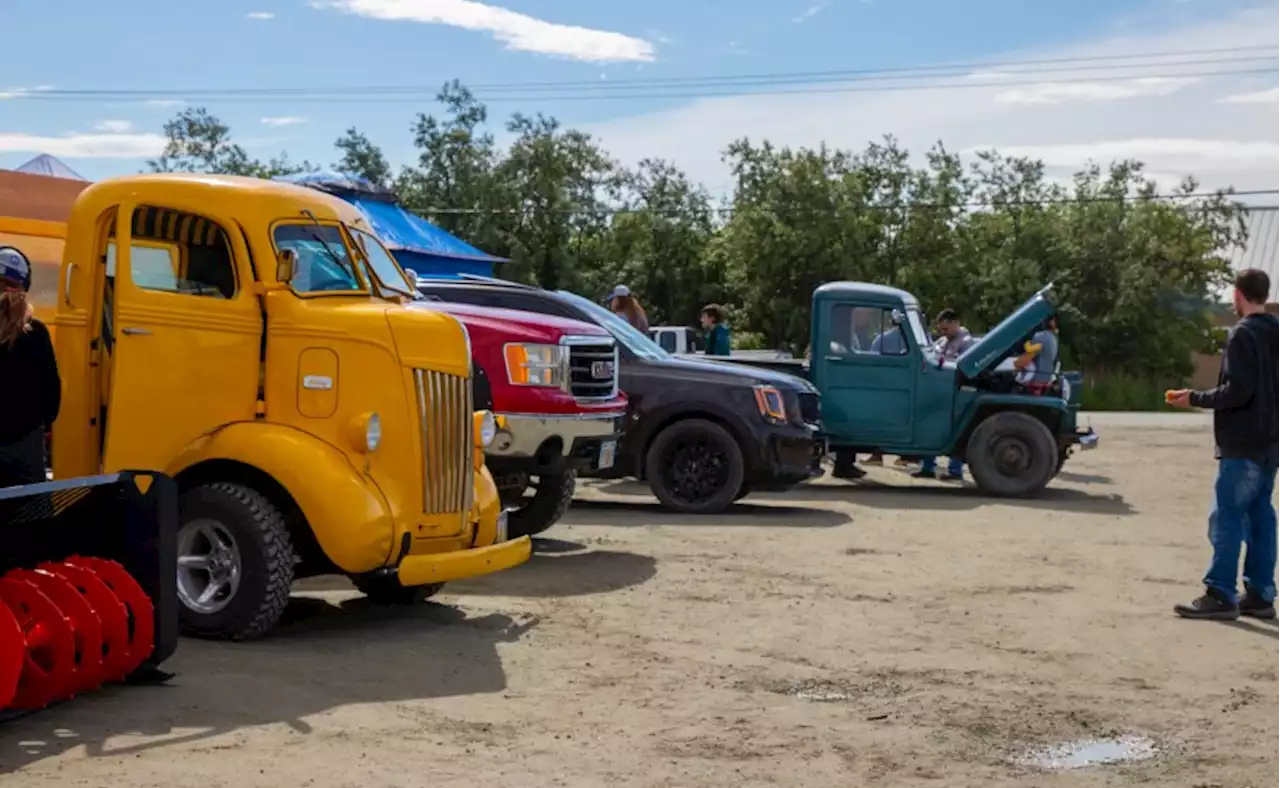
(239, 335)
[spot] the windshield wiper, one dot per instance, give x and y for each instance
(328, 249)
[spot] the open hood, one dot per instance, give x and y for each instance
(1005, 339)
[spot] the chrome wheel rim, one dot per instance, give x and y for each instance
(209, 566)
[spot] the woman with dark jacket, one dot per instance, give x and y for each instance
(30, 389)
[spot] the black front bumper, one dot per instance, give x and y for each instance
(786, 457)
(585, 455)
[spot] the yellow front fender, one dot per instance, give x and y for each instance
(487, 508)
(345, 509)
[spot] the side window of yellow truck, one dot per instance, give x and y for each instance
(177, 252)
(155, 267)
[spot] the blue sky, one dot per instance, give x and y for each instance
(148, 44)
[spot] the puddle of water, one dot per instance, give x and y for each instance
(1088, 752)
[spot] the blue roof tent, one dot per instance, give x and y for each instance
(417, 244)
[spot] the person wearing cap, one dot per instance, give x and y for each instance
(627, 306)
(32, 391)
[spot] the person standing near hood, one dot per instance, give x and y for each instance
(30, 389)
(1244, 406)
(955, 339)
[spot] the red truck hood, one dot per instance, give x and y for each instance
(514, 325)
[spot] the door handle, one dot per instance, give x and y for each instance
(136, 332)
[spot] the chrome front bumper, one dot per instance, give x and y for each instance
(1087, 439)
(524, 434)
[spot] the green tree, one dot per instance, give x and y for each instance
(196, 141)
(657, 245)
(561, 185)
(454, 183)
(362, 158)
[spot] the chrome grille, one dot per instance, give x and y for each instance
(445, 422)
(586, 356)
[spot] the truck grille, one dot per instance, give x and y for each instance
(593, 368)
(445, 421)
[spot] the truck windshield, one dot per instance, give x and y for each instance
(624, 332)
(383, 264)
(324, 264)
(918, 332)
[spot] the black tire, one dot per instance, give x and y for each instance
(388, 591)
(1012, 455)
(743, 493)
(553, 493)
(695, 467)
(266, 561)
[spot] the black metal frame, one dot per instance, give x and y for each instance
(129, 517)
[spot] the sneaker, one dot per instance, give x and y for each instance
(1211, 606)
(925, 475)
(1254, 606)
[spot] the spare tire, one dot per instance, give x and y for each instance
(1012, 455)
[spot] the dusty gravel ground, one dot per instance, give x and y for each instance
(895, 633)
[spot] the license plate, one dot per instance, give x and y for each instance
(607, 451)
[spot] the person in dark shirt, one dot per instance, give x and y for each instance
(719, 342)
(32, 392)
(1244, 408)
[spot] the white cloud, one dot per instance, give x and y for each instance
(1269, 96)
(113, 126)
(260, 15)
(78, 145)
(1062, 92)
(518, 31)
(811, 12)
(1176, 125)
(16, 93)
(283, 120)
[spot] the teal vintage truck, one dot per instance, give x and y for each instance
(886, 389)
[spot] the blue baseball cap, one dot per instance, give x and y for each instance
(14, 267)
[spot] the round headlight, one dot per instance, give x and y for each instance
(486, 428)
(373, 432)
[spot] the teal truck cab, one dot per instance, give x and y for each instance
(886, 389)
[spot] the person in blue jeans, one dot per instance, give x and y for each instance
(1244, 408)
(954, 340)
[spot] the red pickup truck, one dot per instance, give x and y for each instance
(555, 383)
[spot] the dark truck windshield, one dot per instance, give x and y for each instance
(624, 332)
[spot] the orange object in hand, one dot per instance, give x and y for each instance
(1169, 394)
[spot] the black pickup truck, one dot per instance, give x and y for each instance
(702, 434)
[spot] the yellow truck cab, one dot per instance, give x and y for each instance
(229, 332)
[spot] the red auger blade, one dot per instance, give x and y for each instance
(86, 627)
(49, 661)
(112, 615)
(13, 653)
(142, 634)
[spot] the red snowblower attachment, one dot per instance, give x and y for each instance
(87, 585)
